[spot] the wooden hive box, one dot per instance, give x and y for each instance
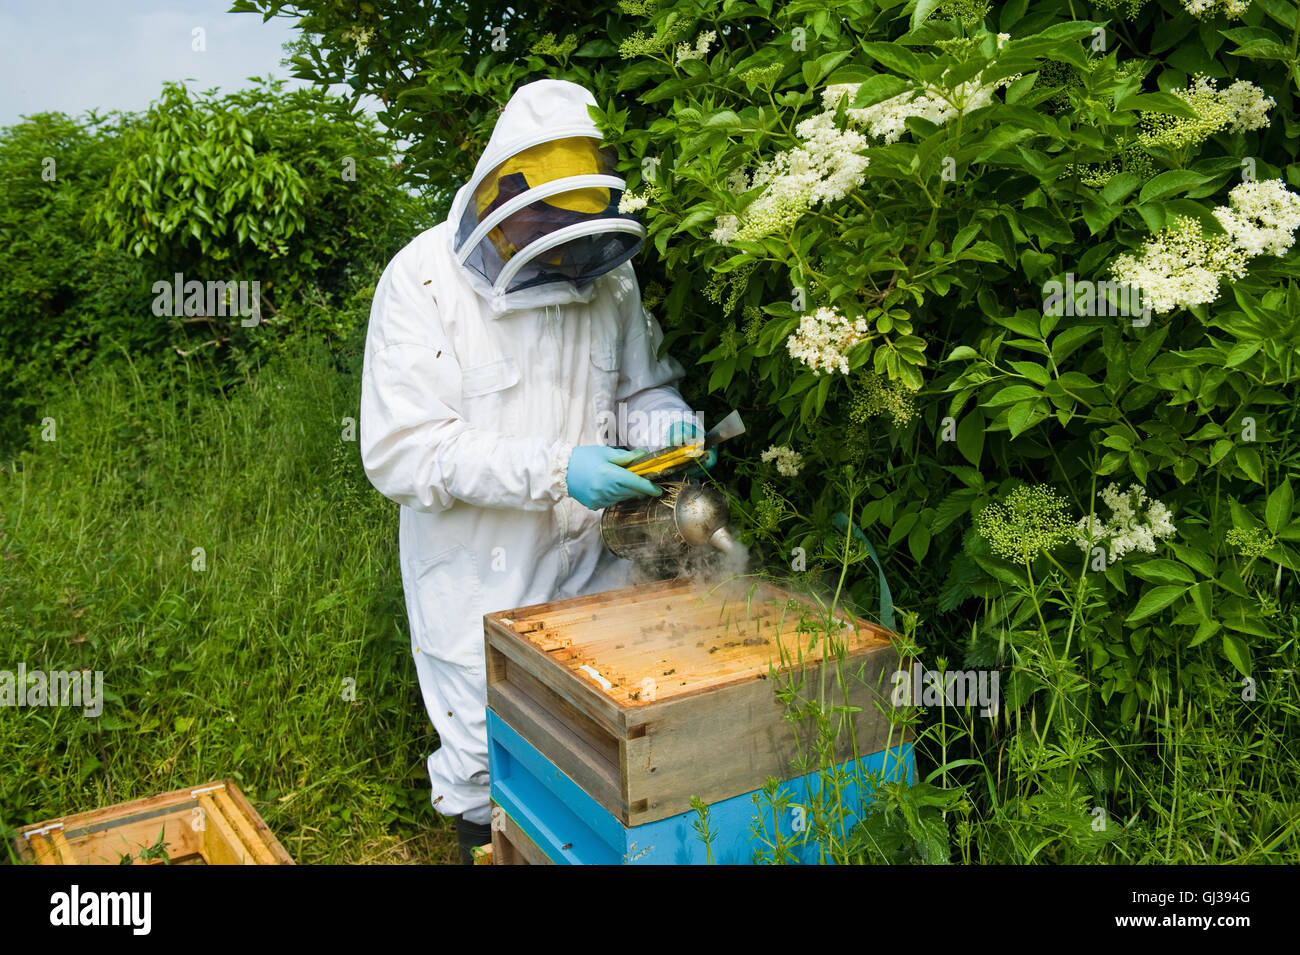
(211, 824)
(650, 695)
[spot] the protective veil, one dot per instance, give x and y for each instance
(492, 352)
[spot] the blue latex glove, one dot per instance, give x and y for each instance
(684, 432)
(595, 479)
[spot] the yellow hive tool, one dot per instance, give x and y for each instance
(665, 461)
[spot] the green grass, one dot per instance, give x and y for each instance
(237, 670)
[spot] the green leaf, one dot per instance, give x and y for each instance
(1163, 570)
(1158, 103)
(894, 57)
(970, 436)
(1155, 600)
(1119, 186)
(1034, 372)
(903, 527)
(1277, 512)
(1070, 339)
(1263, 50)
(968, 476)
(1249, 624)
(1237, 652)
(918, 542)
(923, 10)
(1012, 394)
(1201, 562)
(877, 88)
(1207, 629)
(1248, 461)
(1138, 462)
(722, 374)
(1168, 183)
(1020, 417)
(952, 507)
(1283, 11)
(1241, 353)
(1001, 570)
(1203, 598)
(724, 119)
(699, 215)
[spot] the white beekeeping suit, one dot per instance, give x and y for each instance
(496, 346)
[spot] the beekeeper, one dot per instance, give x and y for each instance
(507, 348)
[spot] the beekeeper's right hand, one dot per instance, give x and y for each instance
(595, 479)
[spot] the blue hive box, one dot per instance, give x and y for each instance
(568, 826)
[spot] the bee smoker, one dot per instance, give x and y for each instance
(686, 516)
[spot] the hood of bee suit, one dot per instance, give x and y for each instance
(538, 221)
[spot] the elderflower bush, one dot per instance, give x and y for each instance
(857, 235)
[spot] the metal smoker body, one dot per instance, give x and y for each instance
(686, 516)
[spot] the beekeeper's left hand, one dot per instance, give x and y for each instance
(686, 432)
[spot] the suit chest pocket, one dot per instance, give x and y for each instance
(604, 371)
(490, 395)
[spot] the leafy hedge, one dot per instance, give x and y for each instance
(58, 297)
(292, 190)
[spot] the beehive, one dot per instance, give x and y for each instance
(647, 696)
(541, 816)
(210, 824)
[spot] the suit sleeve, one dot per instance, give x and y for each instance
(416, 447)
(647, 383)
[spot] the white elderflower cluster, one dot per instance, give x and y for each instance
(1261, 217)
(702, 42)
(826, 167)
(630, 202)
(1242, 106)
(726, 229)
(1206, 9)
(1136, 523)
(823, 339)
(1249, 106)
(887, 120)
(788, 461)
(1181, 267)
(823, 143)
(738, 181)
(360, 36)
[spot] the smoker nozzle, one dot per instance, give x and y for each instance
(723, 541)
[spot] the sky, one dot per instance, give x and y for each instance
(75, 55)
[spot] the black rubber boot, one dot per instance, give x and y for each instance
(471, 835)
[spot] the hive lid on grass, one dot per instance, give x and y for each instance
(209, 824)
